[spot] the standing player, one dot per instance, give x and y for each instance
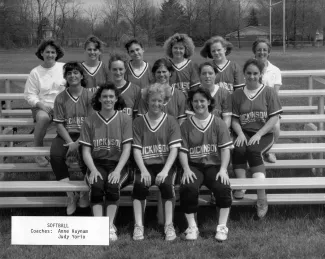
(130, 92)
(106, 138)
(272, 78)
(96, 72)
(71, 107)
(256, 110)
(156, 141)
(179, 48)
(221, 96)
(43, 84)
(204, 156)
(176, 105)
(138, 71)
(229, 74)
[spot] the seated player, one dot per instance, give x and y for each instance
(204, 156)
(156, 141)
(106, 138)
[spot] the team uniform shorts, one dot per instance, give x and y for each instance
(101, 187)
(141, 191)
(252, 154)
(205, 174)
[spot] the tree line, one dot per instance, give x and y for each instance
(27, 22)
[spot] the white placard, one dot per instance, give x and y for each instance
(27, 230)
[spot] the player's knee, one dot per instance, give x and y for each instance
(96, 194)
(167, 191)
(223, 196)
(188, 191)
(42, 117)
(112, 192)
(140, 191)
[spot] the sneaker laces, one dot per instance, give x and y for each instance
(191, 229)
(138, 231)
(223, 229)
(169, 230)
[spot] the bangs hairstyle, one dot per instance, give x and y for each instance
(163, 89)
(252, 61)
(74, 65)
(209, 65)
(96, 104)
(205, 93)
(261, 40)
(50, 42)
(97, 42)
(117, 56)
(130, 42)
(206, 50)
(179, 38)
(162, 62)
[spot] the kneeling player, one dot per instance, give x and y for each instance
(204, 156)
(106, 145)
(156, 141)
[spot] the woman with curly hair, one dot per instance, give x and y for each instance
(71, 108)
(157, 138)
(43, 84)
(179, 48)
(230, 75)
(176, 105)
(138, 71)
(96, 72)
(106, 138)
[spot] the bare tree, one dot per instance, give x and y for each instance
(93, 16)
(193, 14)
(133, 11)
(112, 16)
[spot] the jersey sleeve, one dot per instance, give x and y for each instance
(273, 103)
(59, 111)
(85, 135)
(137, 133)
(235, 104)
(182, 107)
(174, 136)
(224, 139)
(184, 134)
(194, 80)
(127, 134)
(226, 105)
(239, 80)
(142, 107)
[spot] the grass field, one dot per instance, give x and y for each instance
(286, 232)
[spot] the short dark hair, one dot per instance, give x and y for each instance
(130, 42)
(162, 62)
(74, 65)
(261, 40)
(93, 39)
(207, 64)
(252, 61)
(96, 104)
(49, 42)
(203, 91)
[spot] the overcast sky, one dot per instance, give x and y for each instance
(99, 2)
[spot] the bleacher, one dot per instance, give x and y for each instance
(309, 140)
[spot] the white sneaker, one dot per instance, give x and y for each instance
(222, 233)
(41, 161)
(170, 233)
(239, 194)
(138, 232)
(191, 233)
(84, 200)
(112, 233)
(72, 204)
(270, 157)
(262, 207)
